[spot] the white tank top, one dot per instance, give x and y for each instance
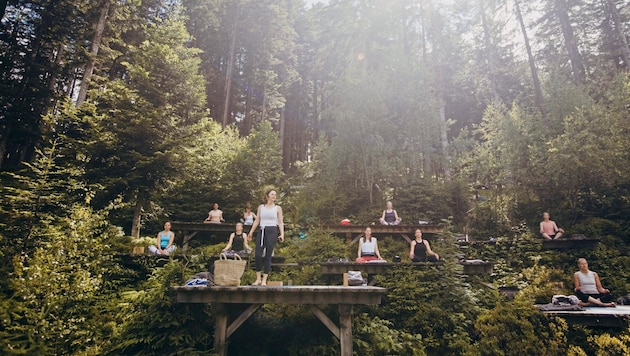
(268, 216)
(368, 247)
(587, 283)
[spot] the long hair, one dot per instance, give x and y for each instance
(369, 239)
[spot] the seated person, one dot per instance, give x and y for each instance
(368, 248)
(390, 216)
(589, 289)
(164, 245)
(215, 216)
(248, 215)
(548, 228)
(421, 251)
(237, 244)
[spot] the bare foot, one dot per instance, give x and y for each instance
(264, 284)
(582, 304)
(610, 305)
(257, 283)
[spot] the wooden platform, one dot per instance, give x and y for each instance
(186, 231)
(255, 297)
(370, 269)
(570, 243)
(617, 317)
(354, 232)
(484, 267)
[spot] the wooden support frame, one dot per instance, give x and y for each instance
(255, 297)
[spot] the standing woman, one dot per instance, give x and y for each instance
(271, 229)
(368, 248)
(420, 249)
(164, 241)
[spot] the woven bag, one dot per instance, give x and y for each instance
(228, 272)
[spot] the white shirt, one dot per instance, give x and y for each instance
(368, 247)
(587, 282)
(268, 216)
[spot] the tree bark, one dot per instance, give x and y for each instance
(624, 49)
(249, 106)
(228, 76)
(540, 102)
(137, 217)
(444, 140)
(96, 43)
(577, 65)
(489, 55)
(282, 136)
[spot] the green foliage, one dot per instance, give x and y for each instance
(154, 324)
(431, 301)
(519, 328)
(375, 336)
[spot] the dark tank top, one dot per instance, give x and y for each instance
(390, 217)
(420, 250)
(237, 243)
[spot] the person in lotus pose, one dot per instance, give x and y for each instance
(164, 245)
(237, 244)
(420, 250)
(368, 248)
(390, 216)
(548, 228)
(589, 289)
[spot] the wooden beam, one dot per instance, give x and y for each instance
(345, 329)
(220, 328)
(406, 237)
(188, 238)
(241, 319)
(325, 320)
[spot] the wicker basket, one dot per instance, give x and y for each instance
(228, 272)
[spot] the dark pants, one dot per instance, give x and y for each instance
(265, 240)
(430, 258)
(604, 297)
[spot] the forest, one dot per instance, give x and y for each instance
(119, 115)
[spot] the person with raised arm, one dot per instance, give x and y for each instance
(269, 227)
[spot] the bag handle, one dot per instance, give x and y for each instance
(223, 256)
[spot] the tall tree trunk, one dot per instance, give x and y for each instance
(96, 43)
(494, 88)
(249, 107)
(624, 50)
(283, 126)
(577, 65)
(228, 76)
(137, 217)
(52, 84)
(444, 140)
(263, 111)
(540, 102)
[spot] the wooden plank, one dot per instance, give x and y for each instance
(280, 295)
(406, 238)
(566, 244)
(241, 319)
(478, 268)
(220, 329)
(325, 320)
(370, 268)
(618, 317)
(188, 238)
(345, 329)
(383, 229)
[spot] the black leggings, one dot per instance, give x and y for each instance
(429, 258)
(604, 297)
(269, 237)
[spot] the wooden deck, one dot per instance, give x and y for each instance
(371, 268)
(353, 233)
(186, 231)
(255, 297)
(474, 267)
(617, 317)
(570, 243)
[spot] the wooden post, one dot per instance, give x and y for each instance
(345, 329)
(220, 329)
